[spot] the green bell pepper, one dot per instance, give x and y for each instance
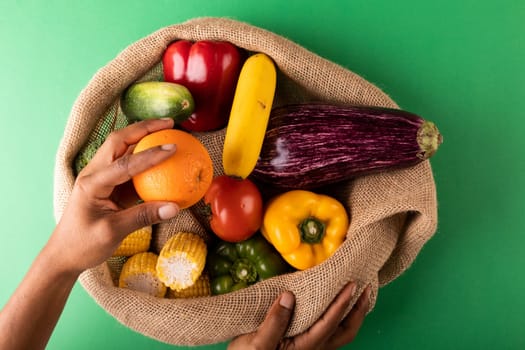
(233, 266)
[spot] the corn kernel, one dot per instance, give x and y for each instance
(181, 260)
(201, 288)
(136, 242)
(139, 274)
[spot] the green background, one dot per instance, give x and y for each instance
(458, 63)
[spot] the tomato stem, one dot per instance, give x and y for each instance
(206, 211)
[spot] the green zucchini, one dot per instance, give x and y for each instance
(157, 99)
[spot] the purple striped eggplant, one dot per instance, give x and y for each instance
(316, 144)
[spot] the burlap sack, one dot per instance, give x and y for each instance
(393, 213)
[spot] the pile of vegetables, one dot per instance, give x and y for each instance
(293, 150)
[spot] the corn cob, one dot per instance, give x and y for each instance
(201, 288)
(136, 242)
(139, 274)
(181, 260)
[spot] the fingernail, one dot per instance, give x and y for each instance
(168, 147)
(287, 300)
(365, 299)
(368, 291)
(168, 211)
(353, 288)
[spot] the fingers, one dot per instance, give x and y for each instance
(145, 214)
(351, 324)
(103, 181)
(328, 323)
(118, 142)
(276, 322)
(331, 331)
(114, 163)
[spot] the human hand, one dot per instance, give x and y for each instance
(331, 331)
(94, 221)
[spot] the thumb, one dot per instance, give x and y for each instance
(274, 326)
(144, 214)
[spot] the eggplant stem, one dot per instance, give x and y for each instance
(428, 139)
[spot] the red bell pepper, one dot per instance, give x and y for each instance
(209, 69)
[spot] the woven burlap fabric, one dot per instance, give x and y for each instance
(393, 214)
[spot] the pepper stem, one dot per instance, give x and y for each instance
(243, 270)
(312, 230)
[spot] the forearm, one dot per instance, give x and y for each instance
(90, 230)
(30, 315)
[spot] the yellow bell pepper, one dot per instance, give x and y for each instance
(306, 228)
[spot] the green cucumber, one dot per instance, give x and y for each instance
(157, 99)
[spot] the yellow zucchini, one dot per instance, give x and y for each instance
(249, 115)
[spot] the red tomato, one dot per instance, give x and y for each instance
(236, 208)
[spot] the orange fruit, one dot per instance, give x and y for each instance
(183, 178)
